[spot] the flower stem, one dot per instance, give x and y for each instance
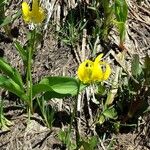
(76, 118)
(29, 74)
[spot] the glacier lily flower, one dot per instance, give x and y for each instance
(93, 71)
(35, 15)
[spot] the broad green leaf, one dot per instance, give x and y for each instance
(11, 86)
(39, 88)
(11, 72)
(52, 94)
(110, 112)
(21, 51)
(58, 86)
(135, 66)
(63, 85)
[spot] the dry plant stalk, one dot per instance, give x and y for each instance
(114, 88)
(83, 45)
(58, 17)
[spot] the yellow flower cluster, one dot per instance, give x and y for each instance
(35, 15)
(89, 71)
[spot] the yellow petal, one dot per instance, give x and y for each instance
(38, 14)
(26, 12)
(90, 71)
(35, 6)
(107, 72)
(42, 14)
(98, 58)
(97, 73)
(85, 71)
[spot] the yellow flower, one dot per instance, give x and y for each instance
(96, 71)
(36, 15)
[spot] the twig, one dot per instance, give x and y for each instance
(90, 122)
(78, 115)
(77, 52)
(75, 116)
(58, 17)
(114, 88)
(102, 145)
(49, 7)
(88, 104)
(83, 45)
(96, 46)
(120, 61)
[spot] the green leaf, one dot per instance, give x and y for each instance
(62, 136)
(89, 144)
(122, 30)
(110, 113)
(9, 19)
(101, 89)
(147, 62)
(39, 88)
(11, 72)
(58, 86)
(135, 66)
(121, 10)
(147, 70)
(16, 15)
(101, 119)
(62, 85)
(93, 142)
(86, 145)
(52, 94)
(6, 21)
(2, 12)
(21, 51)
(11, 86)
(2, 2)
(121, 13)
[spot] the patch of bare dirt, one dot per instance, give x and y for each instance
(29, 135)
